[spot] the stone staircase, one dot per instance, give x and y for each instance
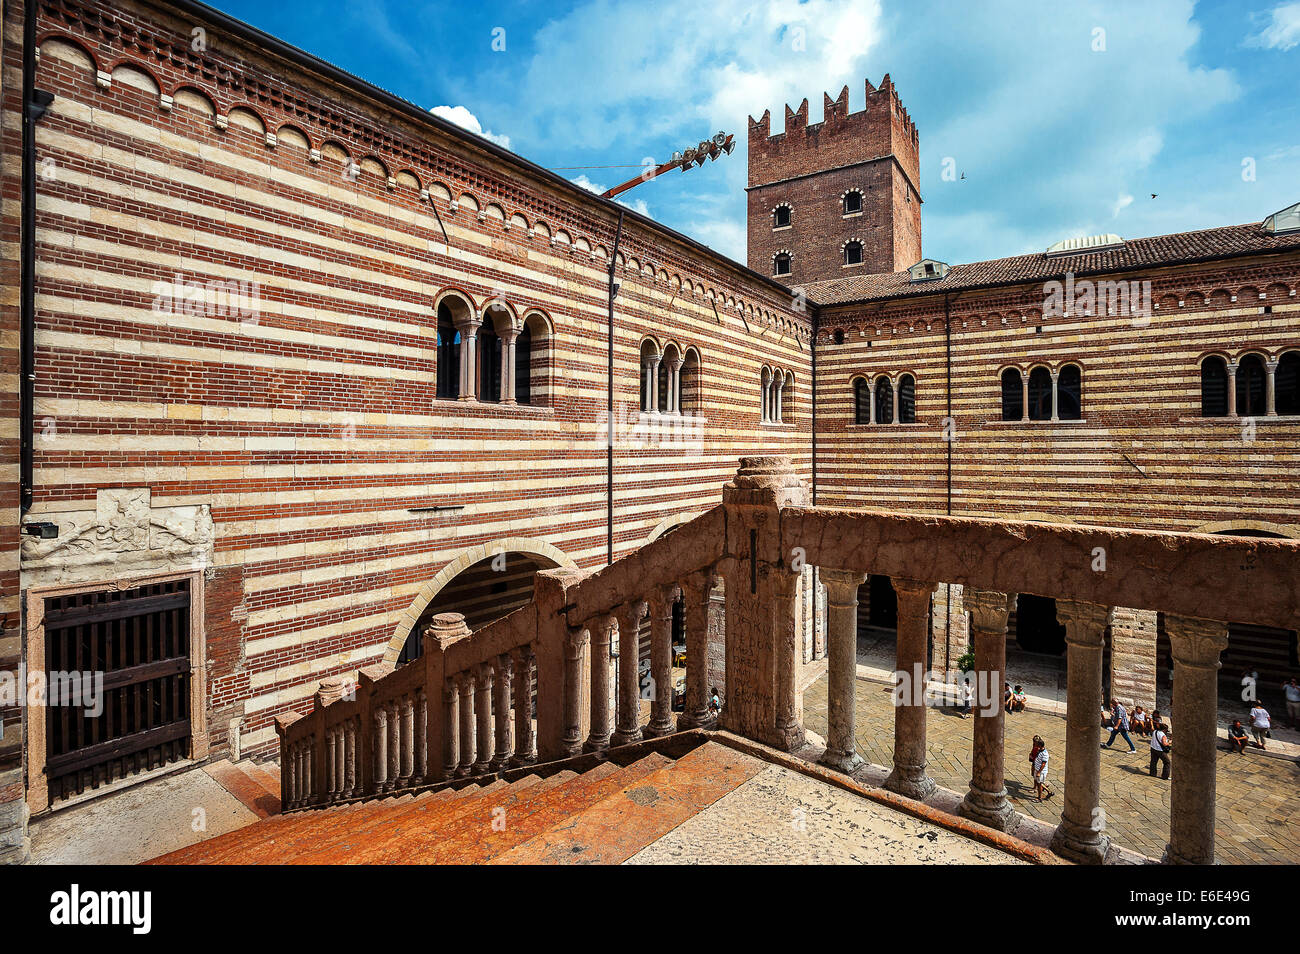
(584, 810)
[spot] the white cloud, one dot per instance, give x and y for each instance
(1282, 31)
(463, 118)
(636, 205)
(1120, 204)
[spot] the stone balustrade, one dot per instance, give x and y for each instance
(540, 684)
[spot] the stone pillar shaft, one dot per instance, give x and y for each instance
(501, 691)
(1196, 645)
(483, 713)
(525, 741)
(1081, 835)
(697, 594)
(661, 662)
(574, 643)
(628, 729)
(841, 677)
(908, 775)
(986, 802)
(598, 739)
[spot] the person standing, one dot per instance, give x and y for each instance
(1292, 690)
(1160, 746)
(1040, 769)
(1119, 726)
(967, 695)
(1260, 723)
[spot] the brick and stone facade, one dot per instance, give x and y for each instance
(242, 262)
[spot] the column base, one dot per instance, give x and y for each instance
(480, 768)
(1085, 846)
(626, 736)
(788, 737)
(688, 721)
(500, 764)
(653, 731)
(1171, 857)
(595, 745)
(910, 783)
(519, 761)
(989, 808)
(846, 762)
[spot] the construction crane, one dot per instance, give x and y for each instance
(708, 149)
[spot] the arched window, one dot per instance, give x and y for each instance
(1040, 394)
(1214, 387)
(861, 401)
(1069, 393)
(650, 363)
(884, 400)
(448, 353)
(852, 202)
(524, 364)
(688, 384)
(1286, 384)
(781, 264)
(785, 396)
(1251, 396)
(780, 216)
(1013, 395)
(853, 253)
(906, 400)
(489, 361)
(667, 388)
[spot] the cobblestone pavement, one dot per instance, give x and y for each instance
(1258, 819)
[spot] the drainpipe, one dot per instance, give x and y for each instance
(947, 344)
(812, 350)
(609, 439)
(35, 103)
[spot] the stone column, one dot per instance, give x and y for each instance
(628, 723)
(350, 758)
(421, 736)
(380, 719)
(1056, 376)
(1081, 835)
(652, 391)
(674, 386)
(501, 692)
(842, 668)
(908, 776)
(483, 712)
(574, 643)
(894, 384)
(1270, 386)
(1196, 645)
(1232, 389)
(523, 684)
(465, 687)
(788, 727)
(451, 729)
(406, 764)
(986, 802)
(1024, 396)
(598, 739)
(696, 591)
(508, 365)
(871, 392)
(661, 661)
(468, 328)
(780, 391)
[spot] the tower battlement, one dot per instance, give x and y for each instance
(813, 170)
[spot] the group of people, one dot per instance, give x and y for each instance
(1151, 727)
(1261, 725)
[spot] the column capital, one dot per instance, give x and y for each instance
(913, 589)
(842, 585)
(575, 641)
(1085, 623)
(467, 324)
(989, 609)
(1196, 642)
(1271, 363)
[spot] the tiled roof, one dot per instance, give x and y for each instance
(1160, 250)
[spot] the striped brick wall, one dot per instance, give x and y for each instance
(312, 429)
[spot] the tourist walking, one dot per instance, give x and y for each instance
(1292, 690)
(1260, 723)
(967, 696)
(1160, 746)
(1119, 726)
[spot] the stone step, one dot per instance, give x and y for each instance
(614, 829)
(247, 784)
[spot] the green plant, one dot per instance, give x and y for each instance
(966, 662)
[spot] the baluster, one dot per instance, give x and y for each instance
(483, 710)
(465, 688)
(451, 728)
(329, 764)
(381, 749)
(290, 772)
(350, 756)
(407, 709)
(598, 740)
(523, 685)
(629, 689)
(504, 741)
(697, 592)
(421, 735)
(309, 767)
(574, 643)
(394, 745)
(661, 661)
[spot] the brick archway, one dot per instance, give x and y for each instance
(529, 546)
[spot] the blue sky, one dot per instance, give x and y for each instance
(1063, 122)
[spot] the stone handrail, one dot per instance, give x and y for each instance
(536, 685)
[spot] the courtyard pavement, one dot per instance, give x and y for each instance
(1258, 819)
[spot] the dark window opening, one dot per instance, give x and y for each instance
(780, 217)
(884, 401)
(1069, 394)
(524, 367)
(448, 355)
(782, 265)
(1214, 388)
(1251, 398)
(853, 253)
(489, 369)
(852, 203)
(1040, 395)
(1013, 398)
(1286, 384)
(906, 400)
(861, 402)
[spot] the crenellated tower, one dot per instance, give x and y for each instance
(816, 190)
